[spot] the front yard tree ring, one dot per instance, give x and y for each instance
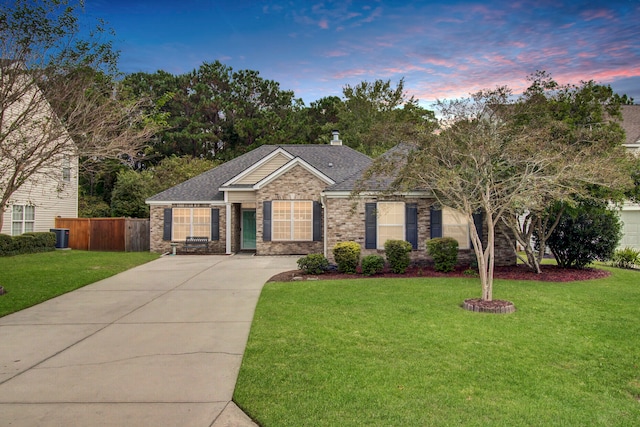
(496, 306)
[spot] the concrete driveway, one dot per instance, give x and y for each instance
(158, 345)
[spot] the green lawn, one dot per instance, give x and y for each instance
(381, 352)
(31, 279)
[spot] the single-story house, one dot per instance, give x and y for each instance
(296, 199)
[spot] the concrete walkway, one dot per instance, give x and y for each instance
(158, 345)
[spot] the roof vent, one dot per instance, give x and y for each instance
(336, 138)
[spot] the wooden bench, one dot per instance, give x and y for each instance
(195, 243)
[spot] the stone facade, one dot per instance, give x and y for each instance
(295, 184)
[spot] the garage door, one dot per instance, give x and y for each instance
(631, 228)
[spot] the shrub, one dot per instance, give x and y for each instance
(444, 251)
(43, 241)
(585, 233)
(397, 252)
(23, 244)
(6, 244)
(27, 243)
(372, 264)
(347, 256)
(625, 258)
(313, 264)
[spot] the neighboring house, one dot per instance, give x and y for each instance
(296, 199)
(630, 212)
(53, 190)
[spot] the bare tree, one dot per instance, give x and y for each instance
(58, 97)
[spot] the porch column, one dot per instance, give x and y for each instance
(228, 229)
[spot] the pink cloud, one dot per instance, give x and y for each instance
(590, 15)
(335, 54)
(324, 24)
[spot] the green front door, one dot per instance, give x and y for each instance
(248, 229)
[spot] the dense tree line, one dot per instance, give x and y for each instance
(215, 113)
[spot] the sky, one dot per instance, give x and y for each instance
(442, 49)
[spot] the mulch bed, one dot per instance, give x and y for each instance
(550, 273)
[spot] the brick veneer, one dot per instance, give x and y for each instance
(295, 184)
(346, 223)
(156, 225)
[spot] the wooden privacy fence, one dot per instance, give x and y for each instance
(107, 234)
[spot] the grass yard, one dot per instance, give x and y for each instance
(384, 352)
(34, 278)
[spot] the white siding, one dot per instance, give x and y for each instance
(264, 170)
(630, 216)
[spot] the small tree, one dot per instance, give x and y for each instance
(585, 233)
(485, 158)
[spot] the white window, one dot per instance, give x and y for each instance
(23, 219)
(391, 222)
(66, 169)
(191, 222)
(456, 225)
(292, 220)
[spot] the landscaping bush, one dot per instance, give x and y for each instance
(397, 252)
(372, 264)
(6, 243)
(43, 241)
(444, 251)
(625, 258)
(588, 232)
(23, 244)
(313, 264)
(347, 256)
(27, 243)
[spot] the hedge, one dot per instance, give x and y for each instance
(27, 243)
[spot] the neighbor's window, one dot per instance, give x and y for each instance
(66, 169)
(391, 222)
(456, 225)
(23, 219)
(191, 222)
(292, 220)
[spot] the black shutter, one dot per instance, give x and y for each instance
(411, 226)
(166, 233)
(477, 221)
(266, 221)
(317, 222)
(436, 222)
(370, 225)
(215, 224)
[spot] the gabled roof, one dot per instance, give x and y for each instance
(337, 162)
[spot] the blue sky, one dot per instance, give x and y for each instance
(443, 49)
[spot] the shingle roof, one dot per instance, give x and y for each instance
(338, 162)
(631, 123)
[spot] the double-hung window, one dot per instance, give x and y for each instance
(292, 220)
(456, 226)
(191, 222)
(391, 222)
(23, 219)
